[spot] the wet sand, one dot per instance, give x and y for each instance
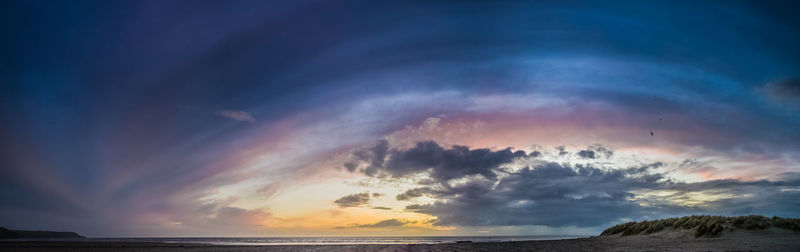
(768, 240)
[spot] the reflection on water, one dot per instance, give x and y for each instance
(331, 240)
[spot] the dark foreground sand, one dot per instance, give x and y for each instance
(767, 240)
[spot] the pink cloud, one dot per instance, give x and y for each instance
(238, 115)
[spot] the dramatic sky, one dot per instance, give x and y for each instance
(317, 118)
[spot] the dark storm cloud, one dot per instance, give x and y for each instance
(380, 224)
(559, 195)
(548, 194)
(414, 193)
(373, 157)
(562, 194)
(444, 164)
(353, 200)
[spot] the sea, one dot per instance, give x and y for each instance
(329, 240)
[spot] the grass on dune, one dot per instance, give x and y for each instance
(704, 225)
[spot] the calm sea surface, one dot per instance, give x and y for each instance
(331, 240)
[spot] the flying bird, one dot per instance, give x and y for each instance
(651, 133)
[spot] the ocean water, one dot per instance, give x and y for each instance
(332, 240)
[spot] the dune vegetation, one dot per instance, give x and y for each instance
(704, 225)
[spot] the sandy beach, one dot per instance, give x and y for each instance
(764, 240)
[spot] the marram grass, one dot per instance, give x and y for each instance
(704, 225)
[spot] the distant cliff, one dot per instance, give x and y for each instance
(20, 234)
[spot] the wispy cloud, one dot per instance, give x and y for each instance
(238, 115)
(353, 200)
(381, 224)
(785, 90)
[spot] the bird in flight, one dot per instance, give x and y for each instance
(651, 133)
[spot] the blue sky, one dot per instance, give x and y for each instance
(131, 118)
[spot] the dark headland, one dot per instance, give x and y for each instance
(692, 233)
(21, 234)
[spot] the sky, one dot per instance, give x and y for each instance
(394, 118)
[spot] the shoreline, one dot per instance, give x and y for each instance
(769, 240)
(298, 241)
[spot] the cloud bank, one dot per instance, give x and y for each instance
(481, 187)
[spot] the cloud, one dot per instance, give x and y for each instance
(242, 116)
(374, 157)
(414, 193)
(375, 195)
(443, 163)
(548, 194)
(562, 150)
(353, 200)
(381, 224)
(586, 154)
(560, 195)
(350, 166)
(381, 208)
(593, 152)
(787, 90)
(486, 192)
